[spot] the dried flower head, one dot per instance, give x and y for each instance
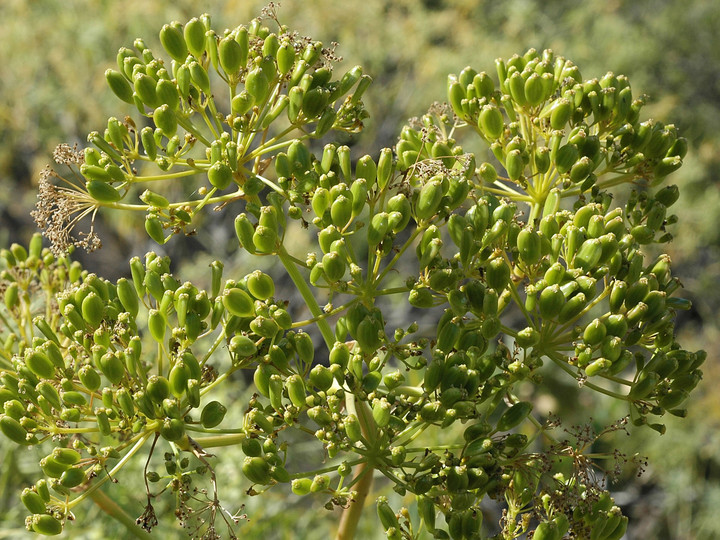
(60, 208)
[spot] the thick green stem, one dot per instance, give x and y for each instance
(351, 516)
(308, 296)
(111, 508)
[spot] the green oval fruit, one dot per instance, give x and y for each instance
(256, 469)
(173, 42)
(429, 199)
(40, 364)
(230, 55)
(243, 346)
(119, 85)
(238, 303)
(260, 285)
(490, 122)
(73, 477)
(46, 524)
(220, 175)
(514, 415)
(212, 414)
(102, 192)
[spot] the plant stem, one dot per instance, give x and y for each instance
(351, 515)
(301, 284)
(111, 508)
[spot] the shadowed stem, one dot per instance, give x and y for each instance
(111, 508)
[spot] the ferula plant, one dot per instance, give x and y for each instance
(527, 263)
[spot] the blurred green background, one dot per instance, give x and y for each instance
(53, 54)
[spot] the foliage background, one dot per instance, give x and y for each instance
(54, 53)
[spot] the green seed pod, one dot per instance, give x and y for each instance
(264, 327)
(173, 42)
(68, 456)
(301, 486)
(242, 346)
(515, 164)
(157, 389)
(165, 120)
(145, 88)
(387, 517)
(183, 82)
(490, 122)
(644, 386)
(89, 378)
(73, 477)
(155, 229)
(384, 168)
(399, 204)
(260, 285)
(339, 355)
(359, 190)
(456, 95)
(528, 337)
(220, 175)
(296, 390)
(285, 57)
(92, 309)
(561, 113)
(565, 158)
(572, 308)
(119, 85)
(668, 195)
(320, 416)
(551, 301)
(304, 347)
(257, 85)
(172, 429)
(320, 201)
(32, 501)
(230, 55)
(241, 103)
(46, 524)
(12, 296)
(429, 199)
(341, 211)
(588, 255)
(381, 412)
(514, 415)
(497, 274)
(212, 414)
(265, 239)
(102, 192)
(157, 324)
(529, 245)
(194, 33)
(534, 90)
(125, 401)
(12, 429)
(352, 428)
(244, 231)
(378, 229)
(39, 364)
(199, 76)
(148, 142)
